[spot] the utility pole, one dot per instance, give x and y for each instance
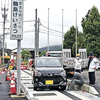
(35, 32)
(62, 39)
(76, 32)
(38, 37)
(48, 30)
(4, 15)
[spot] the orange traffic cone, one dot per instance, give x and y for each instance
(12, 87)
(8, 76)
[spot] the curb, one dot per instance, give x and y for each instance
(89, 89)
(86, 88)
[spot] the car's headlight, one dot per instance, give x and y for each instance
(37, 73)
(63, 73)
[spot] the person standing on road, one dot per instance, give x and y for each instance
(77, 80)
(93, 64)
(78, 63)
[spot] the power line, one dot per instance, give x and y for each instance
(51, 32)
(23, 21)
(57, 24)
(50, 28)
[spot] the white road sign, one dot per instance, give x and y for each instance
(16, 32)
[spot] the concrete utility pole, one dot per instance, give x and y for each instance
(4, 15)
(48, 30)
(36, 32)
(62, 39)
(76, 32)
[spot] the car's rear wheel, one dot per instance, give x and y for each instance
(63, 87)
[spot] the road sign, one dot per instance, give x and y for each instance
(16, 32)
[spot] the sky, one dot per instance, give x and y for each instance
(55, 20)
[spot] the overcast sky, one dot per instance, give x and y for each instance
(55, 19)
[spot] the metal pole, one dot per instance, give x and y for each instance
(38, 38)
(62, 39)
(76, 32)
(48, 29)
(18, 65)
(3, 34)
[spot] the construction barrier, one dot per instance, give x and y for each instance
(23, 67)
(2, 72)
(13, 75)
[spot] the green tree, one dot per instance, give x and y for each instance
(43, 53)
(25, 54)
(91, 31)
(70, 40)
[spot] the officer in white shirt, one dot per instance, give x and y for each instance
(93, 64)
(78, 63)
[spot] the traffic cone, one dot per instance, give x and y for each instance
(5, 69)
(8, 76)
(12, 86)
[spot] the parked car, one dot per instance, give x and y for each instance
(49, 73)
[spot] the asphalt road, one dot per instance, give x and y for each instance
(5, 89)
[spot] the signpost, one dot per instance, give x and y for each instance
(16, 32)
(16, 20)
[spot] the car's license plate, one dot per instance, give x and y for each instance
(49, 82)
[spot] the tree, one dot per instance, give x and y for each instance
(70, 40)
(91, 31)
(26, 54)
(43, 53)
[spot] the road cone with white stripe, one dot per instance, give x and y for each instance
(12, 86)
(5, 69)
(8, 76)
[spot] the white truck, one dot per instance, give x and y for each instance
(68, 61)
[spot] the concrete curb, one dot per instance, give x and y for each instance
(89, 89)
(86, 88)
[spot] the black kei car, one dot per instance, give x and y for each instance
(49, 73)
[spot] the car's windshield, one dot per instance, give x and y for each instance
(48, 62)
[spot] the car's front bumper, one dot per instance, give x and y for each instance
(57, 82)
